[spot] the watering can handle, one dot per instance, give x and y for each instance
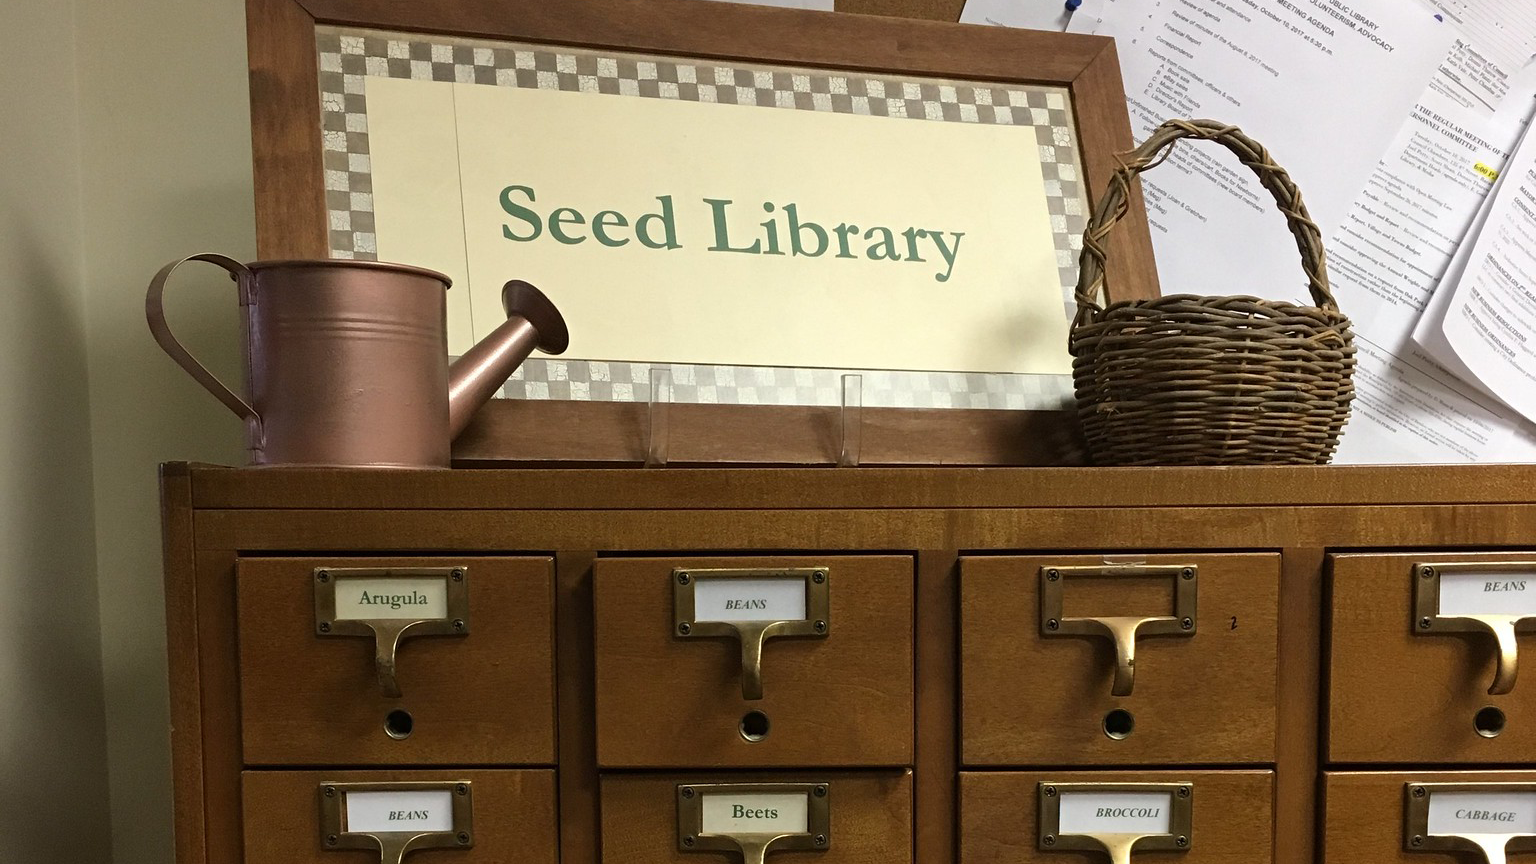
(154, 310)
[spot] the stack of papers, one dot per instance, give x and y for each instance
(1396, 118)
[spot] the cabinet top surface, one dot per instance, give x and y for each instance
(216, 487)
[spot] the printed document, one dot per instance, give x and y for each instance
(1282, 71)
(1385, 262)
(1029, 14)
(1487, 319)
(1496, 41)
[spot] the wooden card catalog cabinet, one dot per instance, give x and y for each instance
(363, 661)
(1425, 658)
(1150, 659)
(806, 666)
(754, 662)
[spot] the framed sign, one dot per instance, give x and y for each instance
(757, 200)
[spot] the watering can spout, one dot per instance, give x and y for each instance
(532, 322)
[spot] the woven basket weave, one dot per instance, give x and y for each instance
(1191, 380)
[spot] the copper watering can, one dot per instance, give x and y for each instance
(346, 362)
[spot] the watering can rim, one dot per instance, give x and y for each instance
(351, 263)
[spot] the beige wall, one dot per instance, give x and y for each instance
(166, 169)
(53, 772)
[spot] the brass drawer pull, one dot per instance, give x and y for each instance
(1122, 630)
(1494, 819)
(1116, 818)
(752, 606)
(1498, 598)
(397, 818)
(754, 818)
(391, 604)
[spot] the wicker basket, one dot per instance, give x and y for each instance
(1191, 380)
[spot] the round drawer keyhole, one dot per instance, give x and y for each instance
(754, 726)
(1489, 722)
(398, 724)
(1119, 724)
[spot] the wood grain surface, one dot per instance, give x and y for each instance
(574, 699)
(485, 698)
(514, 817)
(938, 691)
(1031, 699)
(216, 488)
(1297, 722)
(285, 131)
(509, 433)
(871, 814)
(937, 10)
(1365, 815)
(1231, 818)
(685, 530)
(186, 698)
(218, 661)
(844, 700)
(1397, 696)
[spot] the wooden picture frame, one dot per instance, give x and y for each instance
(292, 218)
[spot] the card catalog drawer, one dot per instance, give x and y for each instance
(1067, 817)
(446, 816)
(754, 662)
(1424, 651)
(1402, 817)
(404, 661)
(1072, 660)
(815, 817)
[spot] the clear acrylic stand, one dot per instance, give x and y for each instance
(853, 421)
(657, 437)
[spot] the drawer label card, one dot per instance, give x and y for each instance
(1469, 592)
(393, 819)
(364, 598)
(757, 599)
(1094, 813)
(756, 813)
(391, 812)
(1499, 813)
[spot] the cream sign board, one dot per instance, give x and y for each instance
(713, 234)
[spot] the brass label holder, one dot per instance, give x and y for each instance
(1428, 620)
(753, 846)
(1117, 843)
(1495, 847)
(336, 834)
(752, 634)
(388, 630)
(1122, 631)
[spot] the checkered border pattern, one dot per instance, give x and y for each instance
(347, 58)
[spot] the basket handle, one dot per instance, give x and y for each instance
(1158, 147)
